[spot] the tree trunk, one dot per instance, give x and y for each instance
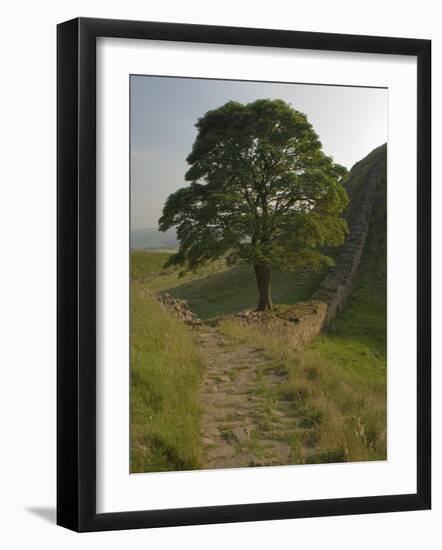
(262, 273)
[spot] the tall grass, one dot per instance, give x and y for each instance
(165, 380)
(340, 409)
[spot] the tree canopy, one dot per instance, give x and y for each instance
(261, 191)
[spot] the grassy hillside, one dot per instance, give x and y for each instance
(165, 381)
(235, 290)
(147, 267)
(217, 290)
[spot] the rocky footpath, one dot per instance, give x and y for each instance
(245, 420)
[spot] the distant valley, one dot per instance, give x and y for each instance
(150, 238)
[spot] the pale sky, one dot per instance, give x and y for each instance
(350, 122)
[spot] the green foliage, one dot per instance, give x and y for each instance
(164, 382)
(261, 191)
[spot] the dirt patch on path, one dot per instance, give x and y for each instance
(245, 421)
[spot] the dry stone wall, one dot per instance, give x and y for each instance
(179, 308)
(296, 326)
(336, 286)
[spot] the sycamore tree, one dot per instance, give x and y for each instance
(261, 191)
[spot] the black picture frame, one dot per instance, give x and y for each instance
(76, 274)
